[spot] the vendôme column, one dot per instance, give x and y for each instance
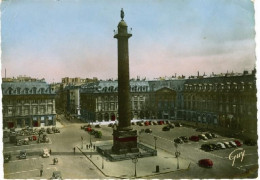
(124, 137)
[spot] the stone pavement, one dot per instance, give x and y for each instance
(145, 167)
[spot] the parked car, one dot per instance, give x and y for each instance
(215, 146)
(171, 125)
(141, 124)
(206, 163)
(19, 142)
(232, 143)
(45, 153)
(160, 123)
(250, 142)
(178, 140)
(184, 139)
(227, 144)
(49, 131)
(166, 128)
(154, 123)
(178, 124)
(22, 154)
(55, 130)
(203, 137)
(208, 135)
(214, 135)
(221, 145)
(194, 138)
(43, 139)
(238, 143)
(97, 126)
(26, 141)
(146, 123)
(56, 175)
(148, 130)
(133, 123)
(7, 157)
(110, 125)
(207, 147)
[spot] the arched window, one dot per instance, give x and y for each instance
(26, 91)
(34, 90)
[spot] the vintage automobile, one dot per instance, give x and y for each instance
(148, 130)
(194, 138)
(238, 143)
(166, 128)
(19, 142)
(49, 131)
(45, 153)
(55, 130)
(171, 125)
(207, 147)
(184, 138)
(178, 141)
(56, 175)
(22, 154)
(206, 163)
(43, 139)
(7, 157)
(97, 126)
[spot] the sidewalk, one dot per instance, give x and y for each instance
(145, 167)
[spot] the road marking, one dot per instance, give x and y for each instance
(22, 159)
(20, 150)
(28, 171)
(28, 145)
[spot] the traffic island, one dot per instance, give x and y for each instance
(134, 165)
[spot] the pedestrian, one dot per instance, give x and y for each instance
(87, 146)
(41, 170)
(74, 150)
(94, 146)
(50, 151)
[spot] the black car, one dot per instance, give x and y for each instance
(178, 140)
(178, 124)
(148, 131)
(214, 146)
(184, 138)
(171, 125)
(7, 157)
(250, 142)
(214, 135)
(208, 135)
(207, 147)
(166, 128)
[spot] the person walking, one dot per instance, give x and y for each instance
(41, 170)
(87, 146)
(50, 151)
(74, 150)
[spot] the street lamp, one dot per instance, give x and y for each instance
(135, 160)
(102, 162)
(155, 138)
(177, 154)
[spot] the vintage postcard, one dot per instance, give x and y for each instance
(151, 89)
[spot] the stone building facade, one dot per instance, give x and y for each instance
(30, 103)
(227, 101)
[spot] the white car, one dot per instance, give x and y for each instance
(221, 145)
(227, 145)
(45, 153)
(232, 143)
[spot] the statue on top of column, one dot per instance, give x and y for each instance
(122, 14)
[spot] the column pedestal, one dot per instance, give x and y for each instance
(125, 141)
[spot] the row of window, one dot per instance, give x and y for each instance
(34, 90)
(228, 86)
(26, 101)
(25, 110)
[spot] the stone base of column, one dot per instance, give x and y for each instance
(124, 142)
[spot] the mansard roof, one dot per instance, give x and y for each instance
(19, 88)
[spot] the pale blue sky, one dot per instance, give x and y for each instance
(52, 39)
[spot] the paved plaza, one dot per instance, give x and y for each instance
(145, 167)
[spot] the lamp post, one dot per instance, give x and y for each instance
(135, 160)
(102, 162)
(155, 138)
(177, 154)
